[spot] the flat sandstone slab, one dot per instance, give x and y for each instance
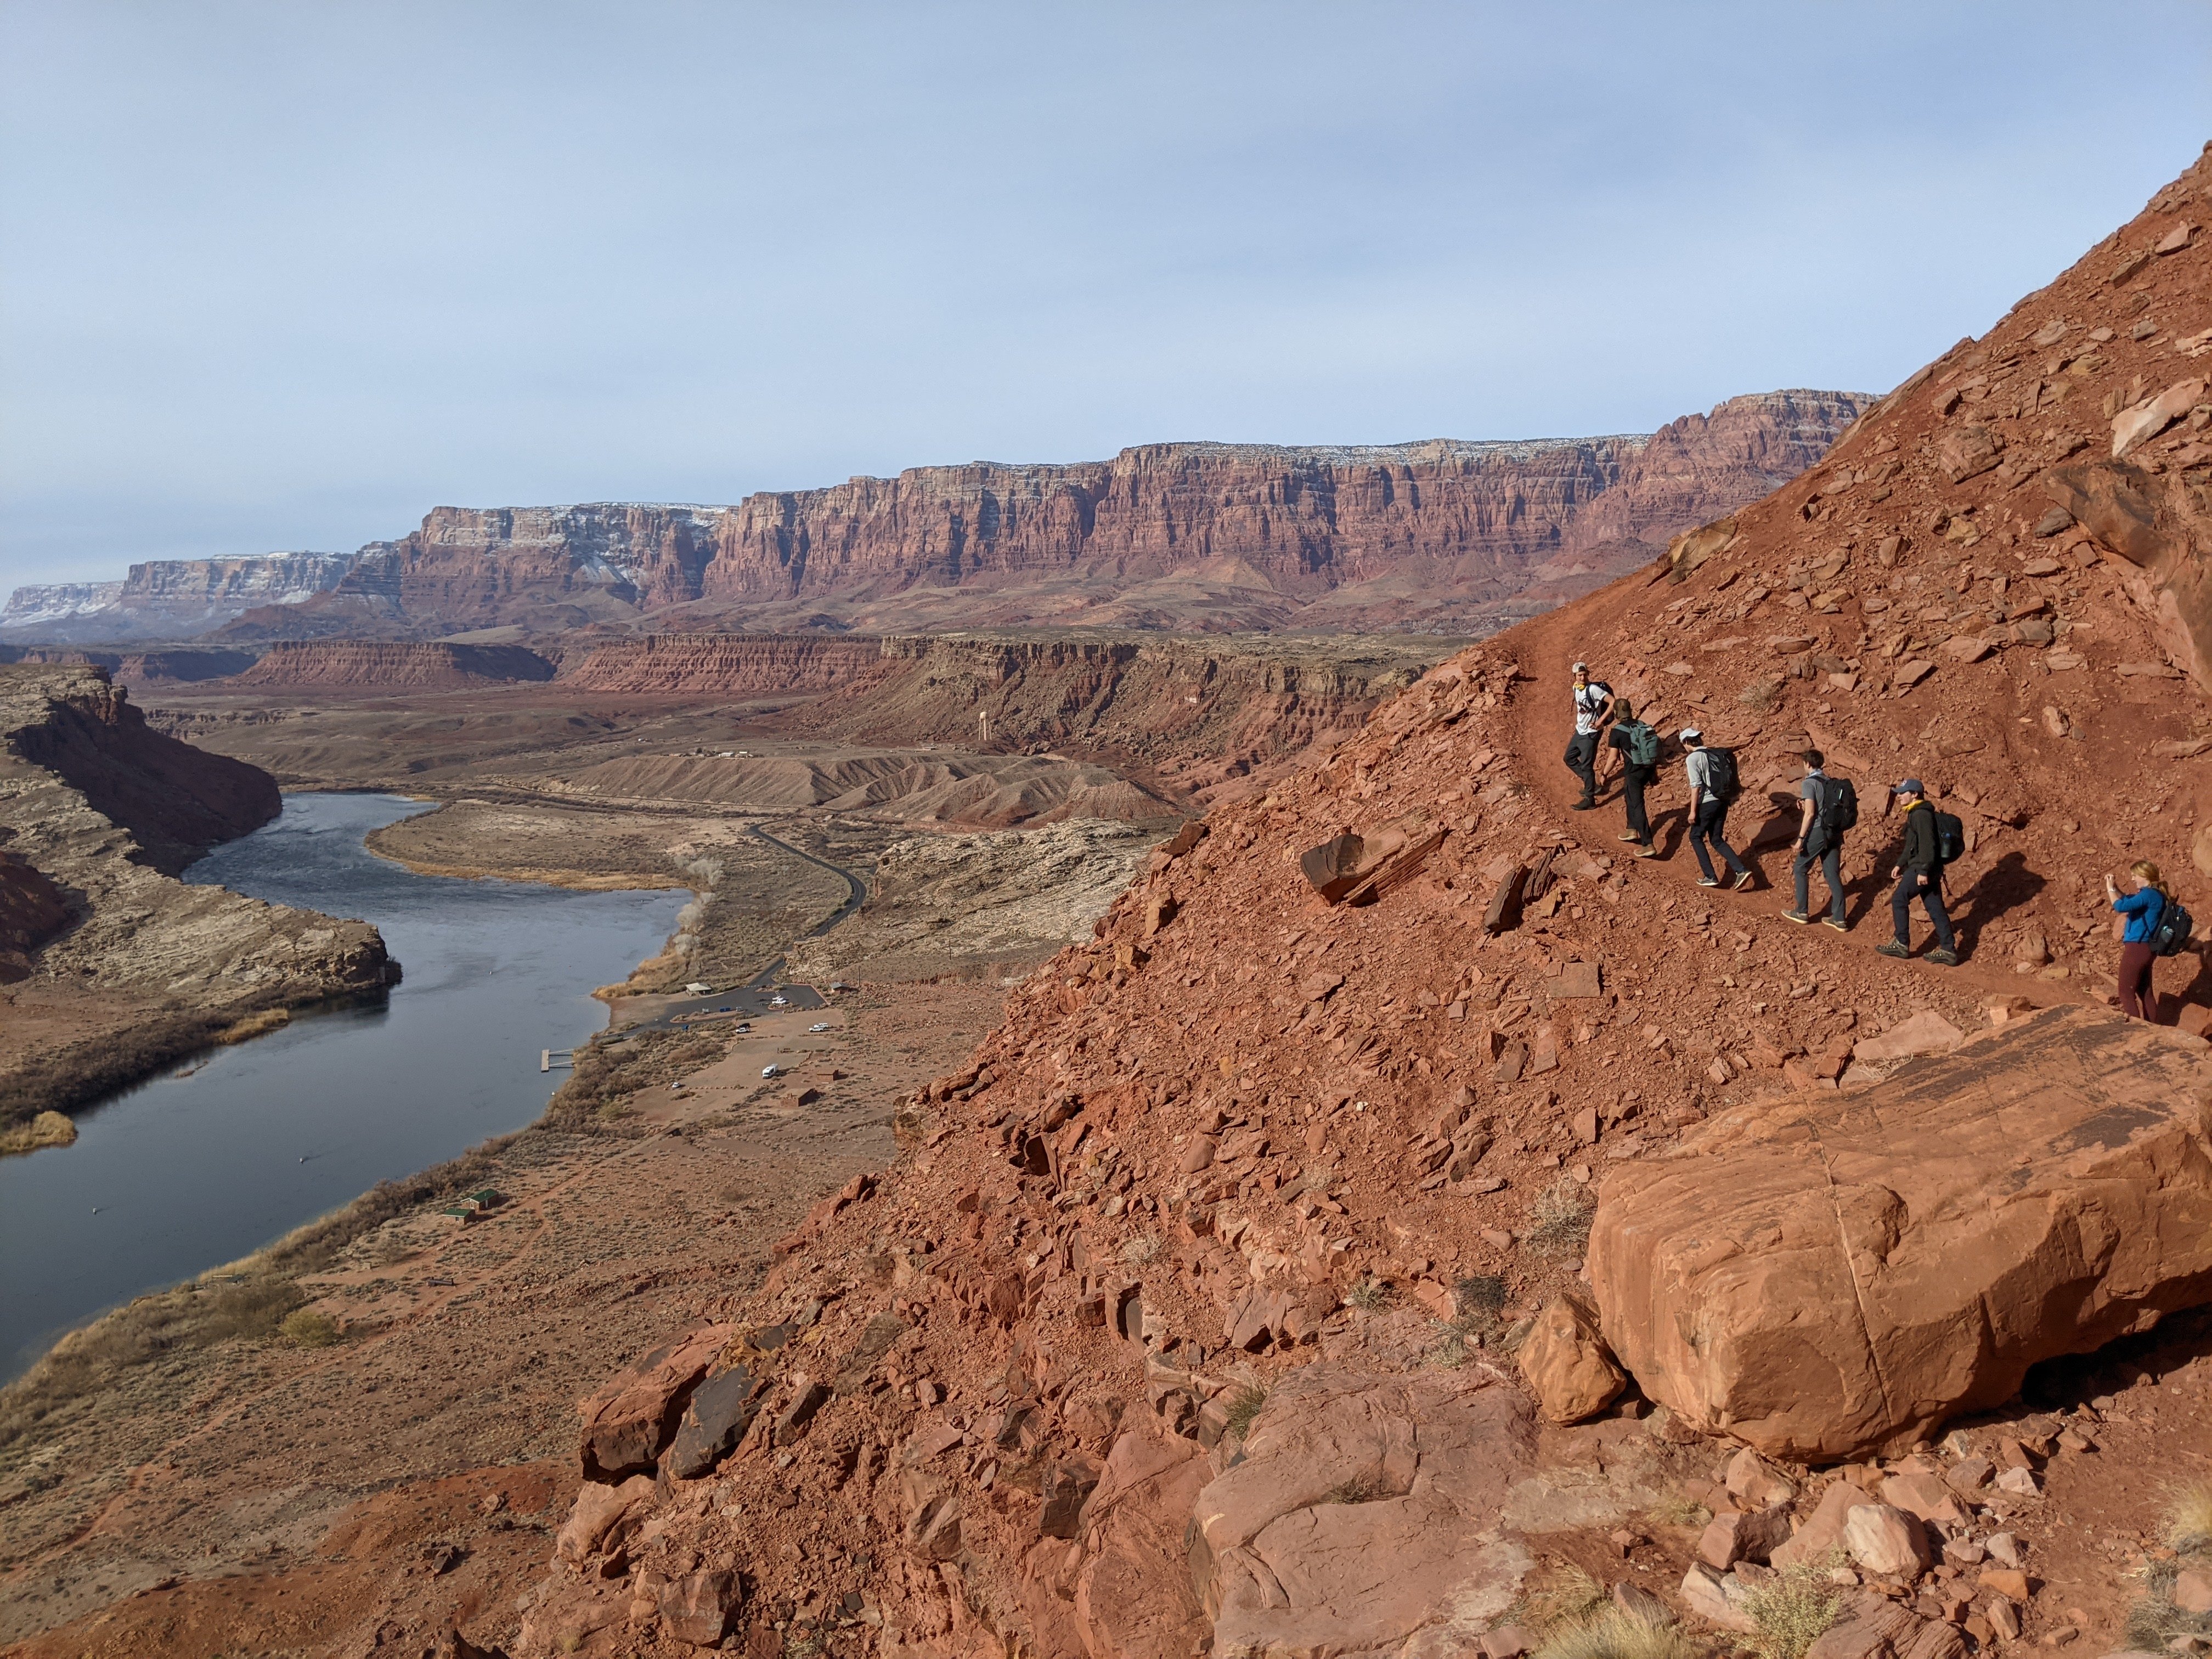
(1828, 1277)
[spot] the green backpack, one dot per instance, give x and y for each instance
(1643, 743)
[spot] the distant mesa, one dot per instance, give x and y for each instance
(1442, 536)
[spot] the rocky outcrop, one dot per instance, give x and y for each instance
(33, 909)
(1240, 534)
(146, 967)
(1828, 1282)
(339, 665)
(176, 801)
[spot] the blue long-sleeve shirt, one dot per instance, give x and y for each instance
(2142, 908)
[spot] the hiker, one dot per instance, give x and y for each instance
(2144, 908)
(1830, 806)
(1639, 764)
(1919, 872)
(1712, 788)
(1593, 706)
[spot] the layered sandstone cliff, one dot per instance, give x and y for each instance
(729, 665)
(1184, 535)
(170, 598)
(341, 664)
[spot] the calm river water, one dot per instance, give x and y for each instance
(229, 1151)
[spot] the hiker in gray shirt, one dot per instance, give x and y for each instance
(1713, 786)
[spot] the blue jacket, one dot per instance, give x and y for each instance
(2142, 908)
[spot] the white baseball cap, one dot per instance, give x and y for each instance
(1690, 731)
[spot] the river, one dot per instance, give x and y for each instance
(222, 1154)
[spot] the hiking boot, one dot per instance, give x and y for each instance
(1836, 922)
(1631, 836)
(1797, 916)
(1892, 948)
(1945, 955)
(1649, 852)
(1707, 881)
(1742, 880)
(1584, 806)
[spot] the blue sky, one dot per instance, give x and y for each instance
(274, 276)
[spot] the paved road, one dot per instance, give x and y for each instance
(751, 999)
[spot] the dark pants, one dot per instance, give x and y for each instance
(2137, 1000)
(1830, 861)
(1634, 780)
(1581, 760)
(1927, 887)
(1710, 820)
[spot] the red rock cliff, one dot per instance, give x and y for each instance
(1286, 526)
(177, 800)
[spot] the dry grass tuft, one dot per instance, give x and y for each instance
(1559, 1221)
(1562, 1595)
(1360, 1489)
(1612, 1634)
(1794, 1613)
(303, 1328)
(2188, 1518)
(1243, 1405)
(254, 1025)
(1370, 1295)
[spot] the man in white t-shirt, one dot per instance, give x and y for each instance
(1592, 707)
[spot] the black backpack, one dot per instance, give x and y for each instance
(1839, 807)
(1950, 838)
(1721, 779)
(2171, 937)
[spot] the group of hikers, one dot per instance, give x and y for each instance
(2154, 923)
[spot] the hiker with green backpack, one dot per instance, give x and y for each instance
(1831, 807)
(1932, 840)
(1639, 755)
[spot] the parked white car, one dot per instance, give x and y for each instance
(771, 1071)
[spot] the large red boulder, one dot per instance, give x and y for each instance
(1828, 1277)
(627, 1422)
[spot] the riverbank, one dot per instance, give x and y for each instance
(226, 1485)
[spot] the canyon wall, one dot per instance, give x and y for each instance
(170, 598)
(1218, 537)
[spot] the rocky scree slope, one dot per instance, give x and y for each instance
(1138, 1347)
(102, 811)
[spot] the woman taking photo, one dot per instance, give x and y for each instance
(2142, 908)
